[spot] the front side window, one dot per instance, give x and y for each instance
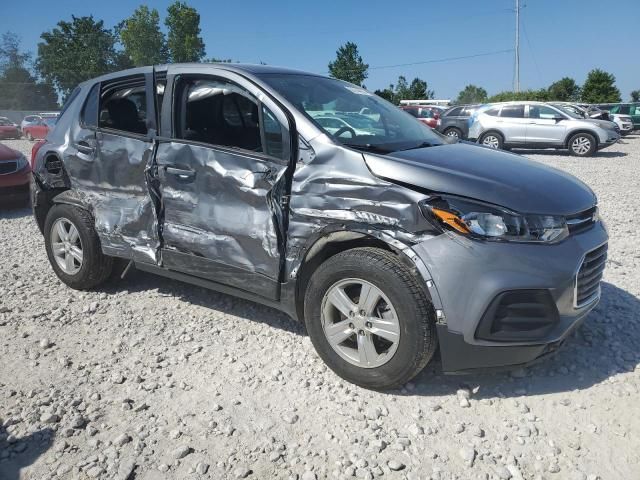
(124, 108)
(90, 110)
(543, 112)
(454, 112)
(492, 112)
(218, 112)
(512, 111)
(371, 123)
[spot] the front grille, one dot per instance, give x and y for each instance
(8, 167)
(589, 276)
(582, 221)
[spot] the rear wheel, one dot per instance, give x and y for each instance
(453, 132)
(582, 145)
(492, 140)
(73, 248)
(369, 318)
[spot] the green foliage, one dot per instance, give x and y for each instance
(184, 41)
(348, 65)
(416, 90)
(144, 43)
(77, 51)
(471, 94)
(19, 89)
(533, 95)
(635, 96)
(600, 88)
(564, 90)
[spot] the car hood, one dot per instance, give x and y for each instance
(473, 171)
(606, 124)
(7, 153)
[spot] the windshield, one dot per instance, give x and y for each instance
(360, 118)
(570, 110)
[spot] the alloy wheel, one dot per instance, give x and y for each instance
(581, 145)
(453, 133)
(66, 246)
(360, 323)
(491, 141)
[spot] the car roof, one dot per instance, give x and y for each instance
(255, 69)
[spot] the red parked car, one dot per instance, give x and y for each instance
(15, 174)
(426, 114)
(8, 129)
(40, 129)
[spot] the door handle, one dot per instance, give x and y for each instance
(84, 147)
(182, 173)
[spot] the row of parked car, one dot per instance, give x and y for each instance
(32, 127)
(581, 128)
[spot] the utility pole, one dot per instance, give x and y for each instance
(516, 86)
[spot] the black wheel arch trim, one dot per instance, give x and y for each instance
(570, 135)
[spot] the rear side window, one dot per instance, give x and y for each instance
(454, 112)
(218, 112)
(123, 107)
(512, 111)
(425, 113)
(89, 116)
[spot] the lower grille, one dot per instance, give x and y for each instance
(8, 167)
(589, 276)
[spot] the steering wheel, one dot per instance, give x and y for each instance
(344, 129)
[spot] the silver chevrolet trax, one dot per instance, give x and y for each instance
(386, 239)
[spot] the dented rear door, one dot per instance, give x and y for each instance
(222, 163)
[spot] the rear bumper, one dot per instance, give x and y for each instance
(506, 304)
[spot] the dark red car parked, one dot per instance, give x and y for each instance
(425, 114)
(15, 174)
(8, 129)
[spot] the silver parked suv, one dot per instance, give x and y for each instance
(540, 125)
(384, 237)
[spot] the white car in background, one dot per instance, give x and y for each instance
(624, 122)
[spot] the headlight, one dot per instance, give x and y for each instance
(491, 222)
(22, 162)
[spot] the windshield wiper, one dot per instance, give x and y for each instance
(367, 147)
(415, 147)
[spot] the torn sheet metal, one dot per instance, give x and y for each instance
(336, 191)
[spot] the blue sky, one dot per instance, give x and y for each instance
(558, 37)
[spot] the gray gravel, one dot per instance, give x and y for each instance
(156, 379)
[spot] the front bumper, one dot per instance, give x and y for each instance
(469, 276)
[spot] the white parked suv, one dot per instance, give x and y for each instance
(540, 125)
(625, 122)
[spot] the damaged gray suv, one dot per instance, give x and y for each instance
(385, 238)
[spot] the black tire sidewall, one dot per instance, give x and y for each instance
(591, 139)
(92, 255)
(401, 368)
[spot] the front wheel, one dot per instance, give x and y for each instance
(582, 145)
(492, 140)
(369, 318)
(453, 132)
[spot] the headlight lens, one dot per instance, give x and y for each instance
(490, 222)
(22, 162)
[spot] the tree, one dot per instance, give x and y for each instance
(348, 65)
(77, 51)
(471, 94)
(635, 96)
(600, 88)
(564, 90)
(144, 43)
(19, 89)
(541, 95)
(416, 90)
(184, 41)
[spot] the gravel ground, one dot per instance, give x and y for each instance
(150, 378)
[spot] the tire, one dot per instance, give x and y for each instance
(582, 145)
(94, 267)
(404, 297)
(453, 132)
(492, 140)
